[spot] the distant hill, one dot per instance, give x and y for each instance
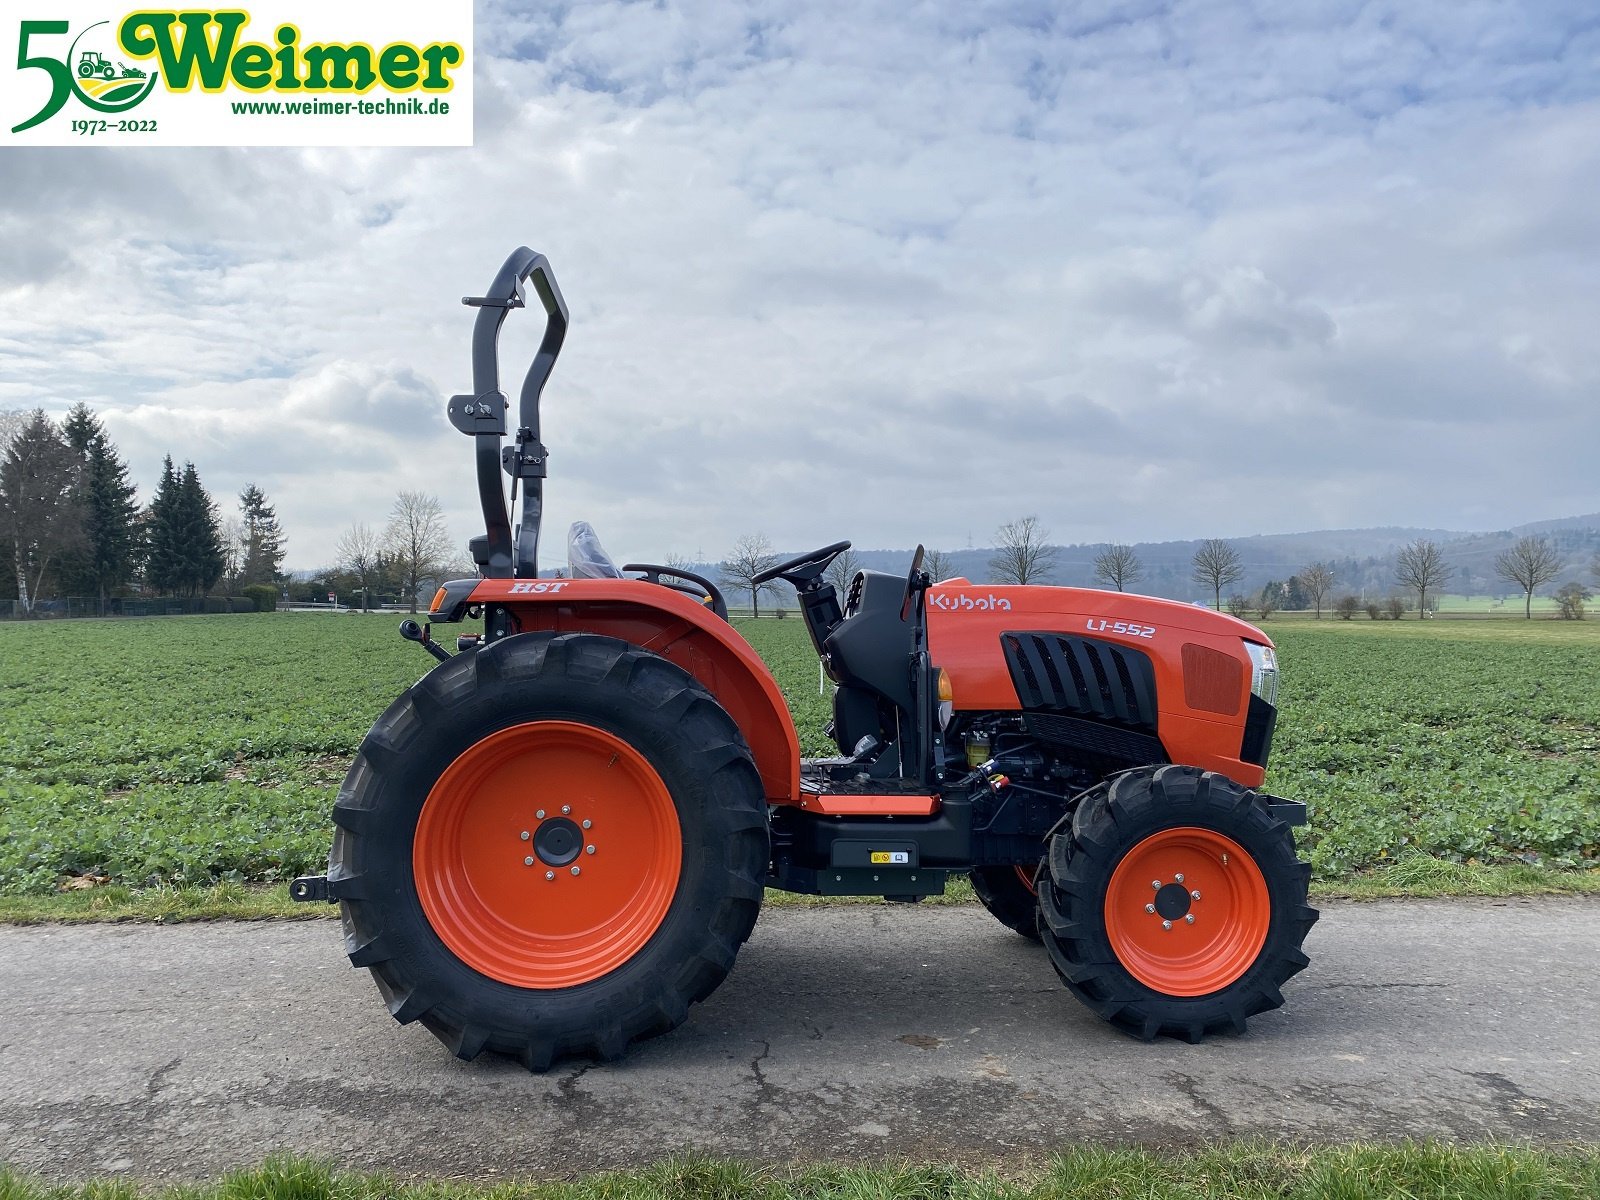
(1363, 559)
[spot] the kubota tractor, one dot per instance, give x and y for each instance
(556, 841)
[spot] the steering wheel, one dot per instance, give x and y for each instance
(803, 570)
(913, 578)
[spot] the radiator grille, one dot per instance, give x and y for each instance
(1081, 675)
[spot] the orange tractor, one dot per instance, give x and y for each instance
(556, 841)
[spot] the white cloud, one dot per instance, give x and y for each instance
(881, 272)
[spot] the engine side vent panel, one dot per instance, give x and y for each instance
(1212, 681)
(1083, 676)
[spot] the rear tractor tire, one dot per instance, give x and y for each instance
(1174, 904)
(1009, 894)
(551, 846)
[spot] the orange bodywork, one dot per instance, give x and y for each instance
(682, 631)
(838, 804)
(1202, 672)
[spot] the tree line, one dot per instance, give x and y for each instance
(71, 524)
(411, 552)
(1024, 555)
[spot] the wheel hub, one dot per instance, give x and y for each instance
(1172, 901)
(558, 841)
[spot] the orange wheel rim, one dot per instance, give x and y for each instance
(1187, 911)
(503, 863)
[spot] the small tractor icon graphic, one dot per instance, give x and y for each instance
(92, 62)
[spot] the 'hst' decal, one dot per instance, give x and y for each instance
(1101, 625)
(945, 602)
(518, 589)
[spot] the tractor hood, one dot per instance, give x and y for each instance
(1078, 610)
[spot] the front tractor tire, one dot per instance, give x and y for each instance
(1174, 904)
(551, 846)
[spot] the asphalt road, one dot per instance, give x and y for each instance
(173, 1053)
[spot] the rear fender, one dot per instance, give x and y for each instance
(667, 623)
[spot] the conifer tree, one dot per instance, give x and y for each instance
(37, 513)
(109, 552)
(263, 537)
(81, 429)
(204, 556)
(185, 537)
(164, 560)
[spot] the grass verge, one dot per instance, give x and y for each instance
(1247, 1171)
(1416, 876)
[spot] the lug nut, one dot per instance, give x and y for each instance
(1166, 924)
(1194, 895)
(1149, 908)
(1177, 879)
(1189, 920)
(566, 809)
(1156, 883)
(549, 874)
(1224, 860)
(577, 870)
(527, 862)
(540, 814)
(525, 835)
(588, 849)
(586, 824)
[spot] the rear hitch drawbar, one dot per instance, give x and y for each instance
(311, 889)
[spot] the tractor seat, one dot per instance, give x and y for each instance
(586, 557)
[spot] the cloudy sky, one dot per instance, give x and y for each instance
(891, 272)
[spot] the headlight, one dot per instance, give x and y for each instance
(1263, 672)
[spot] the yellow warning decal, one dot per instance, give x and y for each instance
(890, 858)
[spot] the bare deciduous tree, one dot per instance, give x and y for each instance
(1346, 607)
(1419, 567)
(1022, 554)
(939, 565)
(1317, 580)
(1531, 563)
(842, 570)
(417, 541)
(1266, 601)
(1118, 566)
(751, 555)
(360, 551)
(234, 550)
(1216, 565)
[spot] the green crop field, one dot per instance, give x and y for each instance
(202, 749)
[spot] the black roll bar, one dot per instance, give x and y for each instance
(482, 415)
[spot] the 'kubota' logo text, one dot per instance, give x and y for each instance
(947, 602)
